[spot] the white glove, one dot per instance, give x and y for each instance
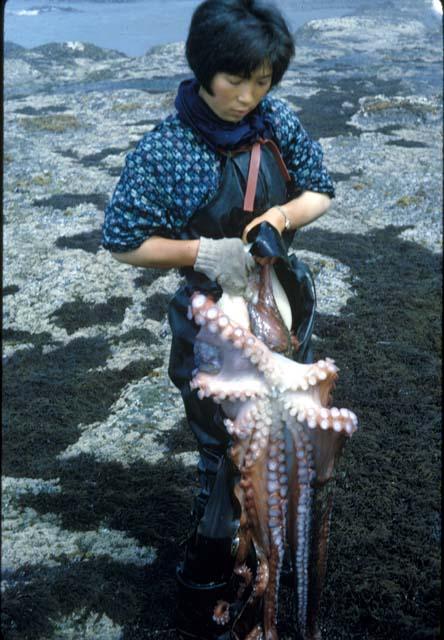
(227, 261)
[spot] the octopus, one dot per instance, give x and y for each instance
(286, 440)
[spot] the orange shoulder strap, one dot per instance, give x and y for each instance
(253, 170)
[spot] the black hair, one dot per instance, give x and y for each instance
(237, 37)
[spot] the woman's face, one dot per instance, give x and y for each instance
(233, 96)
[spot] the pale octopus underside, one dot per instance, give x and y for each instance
(286, 443)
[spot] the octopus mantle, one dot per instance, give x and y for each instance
(286, 443)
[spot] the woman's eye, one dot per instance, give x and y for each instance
(237, 81)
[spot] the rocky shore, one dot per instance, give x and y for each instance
(98, 464)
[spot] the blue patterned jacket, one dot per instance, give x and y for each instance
(172, 173)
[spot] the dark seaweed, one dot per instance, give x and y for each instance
(74, 315)
(89, 241)
(64, 200)
(383, 579)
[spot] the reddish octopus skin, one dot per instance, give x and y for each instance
(286, 444)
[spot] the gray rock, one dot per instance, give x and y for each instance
(71, 113)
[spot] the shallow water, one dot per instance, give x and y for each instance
(131, 27)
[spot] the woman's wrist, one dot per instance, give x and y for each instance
(278, 218)
(273, 216)
(305, 209)
(287, 223)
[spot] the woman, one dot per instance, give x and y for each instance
(179, 203)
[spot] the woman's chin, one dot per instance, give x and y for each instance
(239, 115)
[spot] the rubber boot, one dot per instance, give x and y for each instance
(200, 604)
(205, 586)
(197, 606)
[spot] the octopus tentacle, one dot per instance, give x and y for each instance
(270, 596)
(286, 441)
(261, 421)
(339, 420)
(299, 518)
(322, 506)
(276, 485)
(287, 375)
(244, 545)
(253, 485)
(256, 633)
(245, 573)
(223, 389)
(262, 574)
(206, 313)
(221, 613)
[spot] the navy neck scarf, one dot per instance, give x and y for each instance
(217, 133)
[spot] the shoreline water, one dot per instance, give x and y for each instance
(134, 27)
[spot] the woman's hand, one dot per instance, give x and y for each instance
(299, 212)
(226, 261)
(273, 216)
(276, 219)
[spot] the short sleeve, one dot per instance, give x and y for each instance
(302, 155)
(141, 205)
(166, 179)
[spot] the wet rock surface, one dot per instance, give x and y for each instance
(98, 462)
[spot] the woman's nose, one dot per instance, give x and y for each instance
(246, 94)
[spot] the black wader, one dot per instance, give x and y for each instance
(204, 577)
